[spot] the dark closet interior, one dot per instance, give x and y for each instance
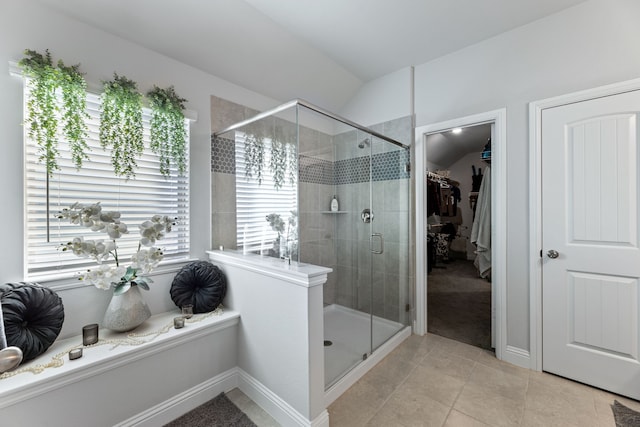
(458, 235)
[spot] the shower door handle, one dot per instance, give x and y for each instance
(381, 250)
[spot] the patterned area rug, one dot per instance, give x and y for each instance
(625, 417)
(218, 412)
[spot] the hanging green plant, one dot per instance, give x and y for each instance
(168, 134)
(292, 163)
(278, 163)
(42, 107)
(121, 124)
(45, 82)
(254, 157)
(74, 112)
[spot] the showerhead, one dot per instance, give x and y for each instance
(364, 143)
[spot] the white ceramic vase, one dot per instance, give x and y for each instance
(126, 311)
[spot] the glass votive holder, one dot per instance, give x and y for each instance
(90, 334)
(76, 353)
(187, 311)
(178, 322)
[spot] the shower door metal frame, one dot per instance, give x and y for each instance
(302, 102)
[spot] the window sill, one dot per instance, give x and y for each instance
(67, 282)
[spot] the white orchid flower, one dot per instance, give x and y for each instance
(115, 230)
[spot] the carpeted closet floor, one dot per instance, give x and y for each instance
(459, 303)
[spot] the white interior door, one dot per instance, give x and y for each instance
(591, 259)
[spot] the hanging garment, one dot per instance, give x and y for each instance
(433, 198)
(476, 179)
(481, 230)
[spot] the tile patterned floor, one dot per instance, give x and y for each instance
(434, 381)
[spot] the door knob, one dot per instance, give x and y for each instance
(552, 253)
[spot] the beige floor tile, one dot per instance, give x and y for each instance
(551, 398)
(427, 381)
(489, 407)
(393, 369)
(407, 411)
(458, 419)
(448, 363)
(460, 349)
(561, 384)
(488, 358)
(502, 383)
(605, 414)
(413, 349)
(545, 419)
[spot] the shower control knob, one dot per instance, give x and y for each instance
(366, 216)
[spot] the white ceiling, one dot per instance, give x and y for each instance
(446, 148)
(321, 50)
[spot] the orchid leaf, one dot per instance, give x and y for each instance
(121, 288)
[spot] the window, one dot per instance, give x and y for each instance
(137, 199)
(254, 201)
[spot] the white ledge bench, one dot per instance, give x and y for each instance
(137, 378)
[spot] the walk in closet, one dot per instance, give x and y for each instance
(458, 220)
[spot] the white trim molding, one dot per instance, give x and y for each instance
(535, 200)
(499, 217)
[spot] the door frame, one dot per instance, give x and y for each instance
(498, 217)
(535, 200)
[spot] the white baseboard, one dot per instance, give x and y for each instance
(184, 402)
(517, 356)
(280, 410)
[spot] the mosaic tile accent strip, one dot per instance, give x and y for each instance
(385, 166)
(223, 155)
(316, 171)
(391, 165)
(353, 170)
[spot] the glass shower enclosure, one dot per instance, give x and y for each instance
(289, 164)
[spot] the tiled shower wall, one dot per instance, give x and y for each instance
(327, 166)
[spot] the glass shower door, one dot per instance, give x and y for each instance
(389, 240)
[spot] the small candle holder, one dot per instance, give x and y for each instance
(90, 334)
(187, 311)
(178, 322)
(74, 354)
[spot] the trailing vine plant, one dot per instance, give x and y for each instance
(168, 134)
(45, 81)
(254, 156)
(121, 124)
(278, 163)
(74, 112)
(292, 162)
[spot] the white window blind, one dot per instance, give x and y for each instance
(254, 201)
(137, 199)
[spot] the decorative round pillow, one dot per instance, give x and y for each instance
(33, 317)
(200, 284)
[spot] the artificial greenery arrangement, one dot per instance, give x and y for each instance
(254, 156)
(168, 134)
(46, 82)
(121, 124)
(278, 163)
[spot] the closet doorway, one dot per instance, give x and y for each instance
(424, 164)
(458, 194)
